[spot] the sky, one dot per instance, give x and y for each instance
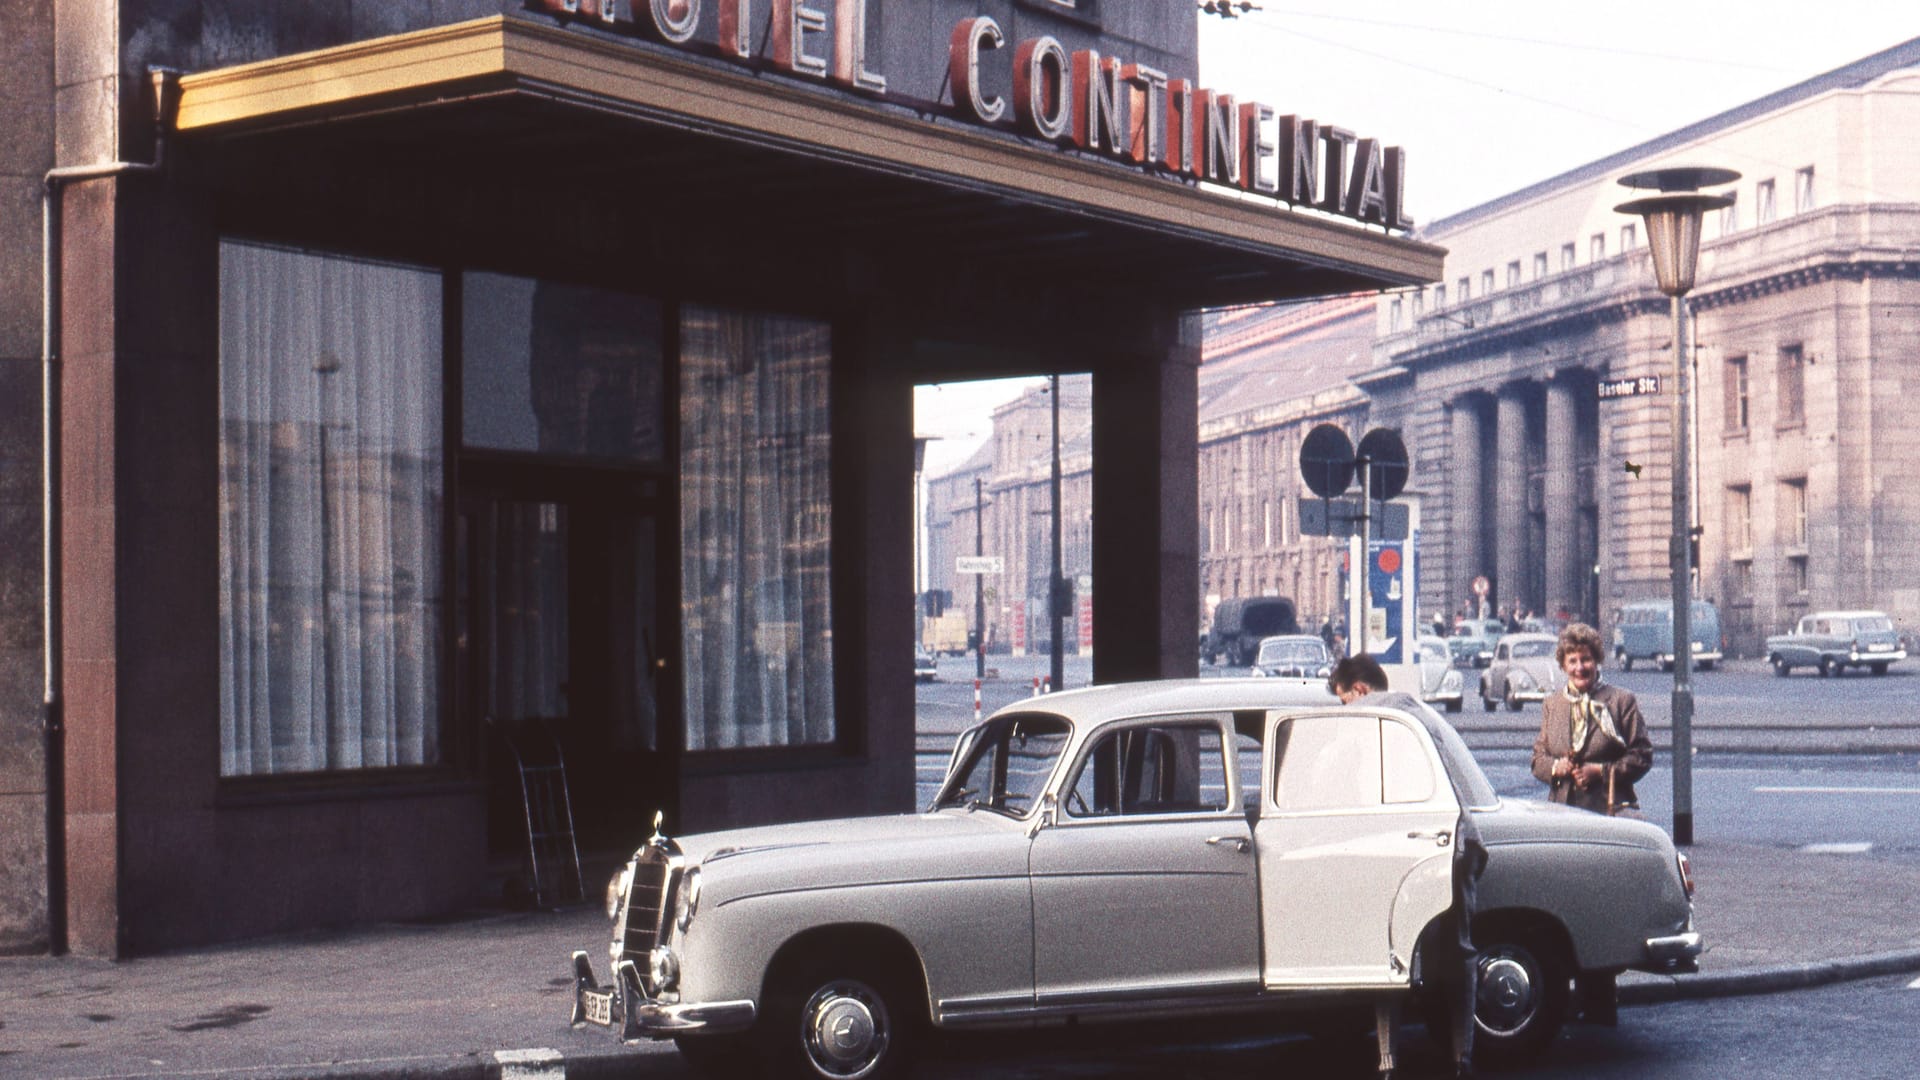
(1489, 96)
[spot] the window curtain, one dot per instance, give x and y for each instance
(755, 530)
(330, 513)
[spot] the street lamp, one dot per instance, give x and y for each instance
(1673, 220)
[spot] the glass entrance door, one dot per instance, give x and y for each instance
(559, 648)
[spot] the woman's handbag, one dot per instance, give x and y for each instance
(1615, 808)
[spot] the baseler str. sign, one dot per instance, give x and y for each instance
(1128, 112)
(1635, 387)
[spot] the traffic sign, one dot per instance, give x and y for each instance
(1341, 517)
(1326, 461)
(1386, 461)
(979, 564)
(1481, 585)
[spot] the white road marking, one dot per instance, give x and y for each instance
(539, 1064)
(1914, 985)
(1853, 848)
(1836, 791)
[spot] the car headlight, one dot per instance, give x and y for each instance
(1324, 671)
(687, 903)
(617, 888)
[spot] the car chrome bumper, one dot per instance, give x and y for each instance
(625, 1007)
(1675, 953)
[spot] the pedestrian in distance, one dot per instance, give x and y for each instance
(1593, 744)
(1353, 679)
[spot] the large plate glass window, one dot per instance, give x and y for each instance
(756, 525)
(561, 370)
(330, 512)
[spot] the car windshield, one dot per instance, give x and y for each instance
(1434, 651)
(1298, 652)
(1007, 763)
(1880, 622)
(1524, 649)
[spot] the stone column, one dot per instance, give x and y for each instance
(1562, 497)
(1510, 497)
(1467, 501)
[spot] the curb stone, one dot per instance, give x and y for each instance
(1653, 989)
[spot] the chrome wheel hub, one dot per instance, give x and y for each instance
(1506, 996)
(846, 1030)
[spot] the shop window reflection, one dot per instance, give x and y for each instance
(755, 530)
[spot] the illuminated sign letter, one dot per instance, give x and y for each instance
(1179, 125)
(793, 20)
(1367, 193)
(1256, 148)
(1042, 101)
(970, 36)
(1397, 188)
(850, 48)
(736, 28)
(1299, 180)
(1146, 112)
(1333, 189)
(673, 20)
(1219, 159)
(1097, 116)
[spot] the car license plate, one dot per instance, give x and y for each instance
(1879, 646)
(599, 1006)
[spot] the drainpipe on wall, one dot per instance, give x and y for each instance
(164, 85)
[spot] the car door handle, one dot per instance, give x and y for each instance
(1438, 836)
(1239, 842)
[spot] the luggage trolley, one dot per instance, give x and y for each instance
(553, 856)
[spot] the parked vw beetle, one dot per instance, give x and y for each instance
(1523, 671)
(1440, 682)
(1137, 852)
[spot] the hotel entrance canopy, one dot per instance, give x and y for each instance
(706, 148)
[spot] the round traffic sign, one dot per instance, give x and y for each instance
(1481, 585)
(1326, 461)
(1386, 458)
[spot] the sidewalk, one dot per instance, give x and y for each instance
(488, 996)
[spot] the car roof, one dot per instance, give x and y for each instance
(1854, 614)
(1097, 704)
(1315, 638)
(1523, 638)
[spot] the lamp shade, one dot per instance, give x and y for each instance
(1673, 234)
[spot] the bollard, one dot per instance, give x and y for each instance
(1046, 685)
(1036, 686)
(976, 701)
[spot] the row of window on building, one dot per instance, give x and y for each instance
(1765, 211)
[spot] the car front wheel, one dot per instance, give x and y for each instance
(1828, 669)
(839, 1022)
(1520, 998)
(1780, 666)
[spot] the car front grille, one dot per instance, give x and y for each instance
(643, 908)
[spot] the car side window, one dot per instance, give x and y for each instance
(1348, 763)
(1247, 755)
(1165, 768)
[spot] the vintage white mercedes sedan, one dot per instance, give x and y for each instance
(1138, 852)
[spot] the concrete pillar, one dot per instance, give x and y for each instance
(1468, 501)
(1510, 497)
(1562, 495)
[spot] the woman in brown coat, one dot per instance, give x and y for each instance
(1592, 738)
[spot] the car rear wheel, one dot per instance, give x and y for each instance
(1520, 997)
(1488, 703)
(1626, 662)
(1513, 703)
(1454, 705)
(1780, 666)
(840, 1020)
(1828, 669)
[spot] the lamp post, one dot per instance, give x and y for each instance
(1673, 220)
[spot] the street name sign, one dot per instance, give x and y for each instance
(979, 564)
(1635, 387)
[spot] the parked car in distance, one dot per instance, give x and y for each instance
(1643, 630)
(1523, 671)
(1472, 641)
(1315, 839)
(1832, 641)
(1293, 655)
(1241, 623)
(925, 667)
(1440, 682)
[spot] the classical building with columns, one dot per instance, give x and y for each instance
(1805, 323)
(1805, 354)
